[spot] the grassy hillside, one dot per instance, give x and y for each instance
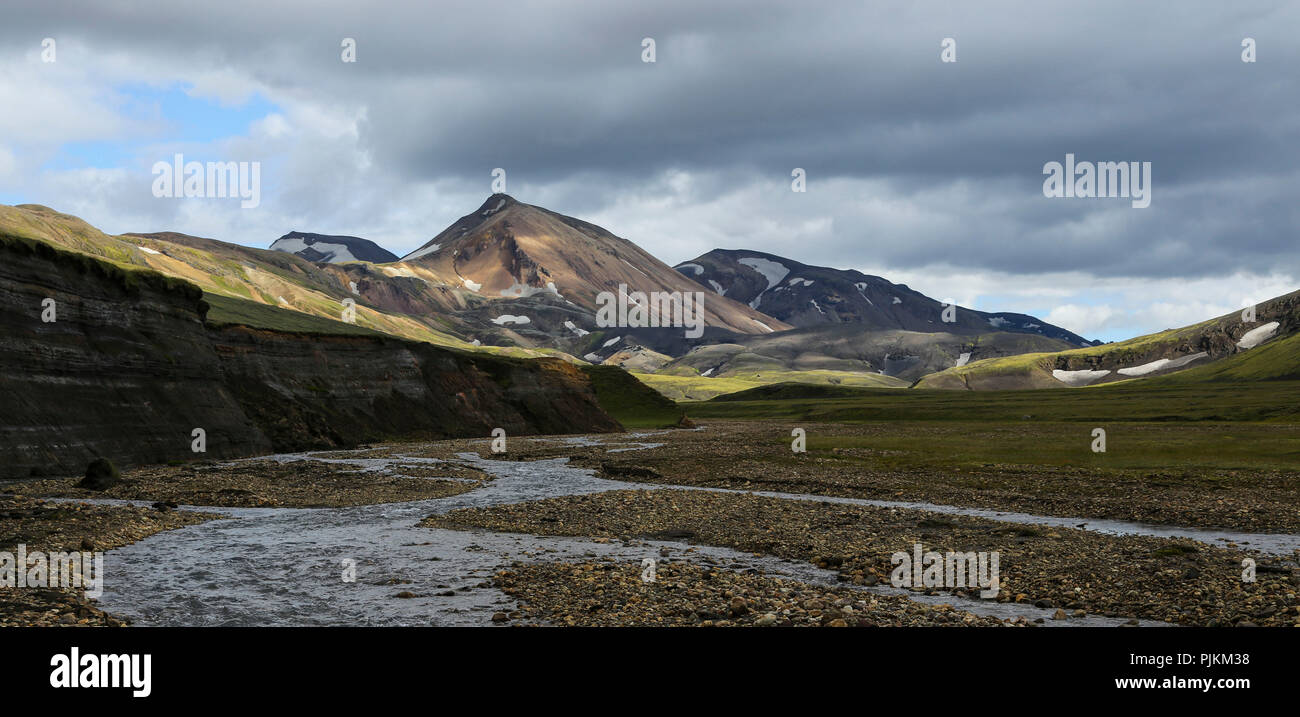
(1277, 360)
(226, 310)
(852, 349)
(702, 388)
(271, 278)
(1217, 337)
(128, 277)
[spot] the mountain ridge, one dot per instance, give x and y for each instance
(805, 295)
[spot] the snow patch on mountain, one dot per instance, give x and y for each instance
(1078, 378)
(772, 271)
(1257, 336)
(523, 291)
(634, 267)
(1161, 364)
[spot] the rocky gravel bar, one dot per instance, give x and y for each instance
(1077, 572)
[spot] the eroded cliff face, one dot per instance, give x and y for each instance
(124, 370)
(331, 391)
(127, 370)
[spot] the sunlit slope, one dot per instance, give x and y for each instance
(1276, 360)
(271, 278)
(700, 388)
(1196, 351)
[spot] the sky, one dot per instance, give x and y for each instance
(925, 172)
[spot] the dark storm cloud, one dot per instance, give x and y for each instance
(557, 94)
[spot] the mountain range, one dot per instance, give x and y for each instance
(516, 279)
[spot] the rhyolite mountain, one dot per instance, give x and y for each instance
(807, 296)
(332, 248)
(510, 250)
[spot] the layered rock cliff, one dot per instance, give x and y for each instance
(121, 365)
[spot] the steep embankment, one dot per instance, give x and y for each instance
(124, 369)
(321, 391)
(127, 369)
